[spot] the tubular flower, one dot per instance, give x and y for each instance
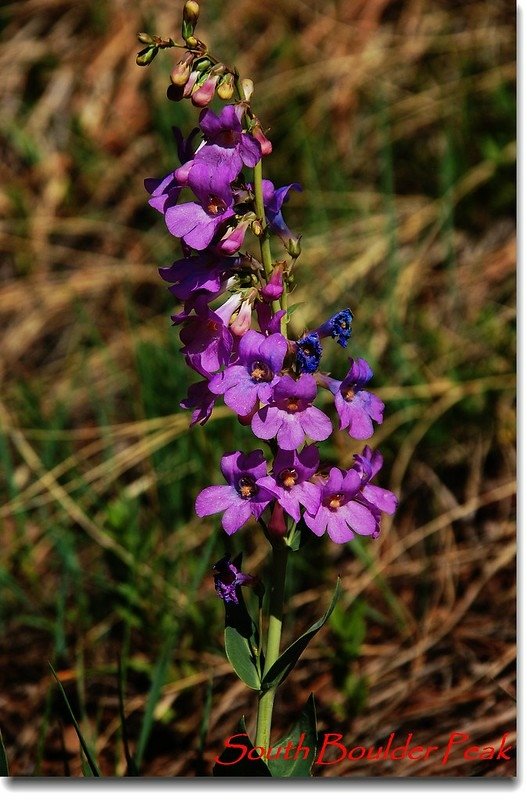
(357, 408)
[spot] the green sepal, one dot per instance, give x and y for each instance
(245, 767)
(304, 734)
(281, 668)
(242, 641)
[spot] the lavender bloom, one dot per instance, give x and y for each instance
(198, 222)
(242, 497)
(224, 131)
(228, 579)
(199, 399)
(202, 273)
(289, 480)
(269, 323)
(206, 335)
(308, 353)
(291, 416)
(355, 406)
(273, 202)
(340, 511)
(274, 288)
(368, 465)
(250, 381)
(164, 191)
(338, 327)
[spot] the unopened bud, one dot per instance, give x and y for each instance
(146, 56)
(226, 87)
(277, 525)
(247, 89)
(189, 86)
(145, 38)
(203, 95)
(191, 12)
(260, 137)
(256, 227)
(294, 248)
(181, 72)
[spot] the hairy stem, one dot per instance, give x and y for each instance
(274, 631)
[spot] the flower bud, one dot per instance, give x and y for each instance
(242, 323)
(189, 86)
(275, 287)
(277, 525)
(181, 72)
(226, 87)
(247, 89)
(260, 136)
(203, 95)
(145, 38)
(146, 56)
(293, 248)
(191, 12)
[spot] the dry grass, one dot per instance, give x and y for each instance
(397, 118)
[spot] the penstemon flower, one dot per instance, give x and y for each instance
(234, 327)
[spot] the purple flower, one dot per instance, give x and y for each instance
(289, 480)
(273, 202)
(202, 273)
(268, 322)
(164, 191)
(199, 399)
(308, 353)
(355, 406)
(291, 416)
(206, 334)
(368, 465)
(224, 131)
(274, 288)
(338, 327)
(198, 222)
(242, 497)
(228, 579)
(250, 381)
(340, 512)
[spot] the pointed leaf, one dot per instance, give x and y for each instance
(92, 766)
(234, 761)
(242, 640)
(303, 735)
(285, 663)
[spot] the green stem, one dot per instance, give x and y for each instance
(274, 631)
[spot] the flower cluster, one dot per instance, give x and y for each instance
(233, 336)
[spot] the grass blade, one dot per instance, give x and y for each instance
(4, 766)
(85, 749)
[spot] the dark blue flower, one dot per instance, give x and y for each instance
(227, 579)
(338, 327)
(308, 352)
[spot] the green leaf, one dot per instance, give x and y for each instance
(304, 735)
(92, 766)
(285, 663)
(4, 766)
(242, 641)
(234, 761)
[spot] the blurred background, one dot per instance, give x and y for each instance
(398, 118)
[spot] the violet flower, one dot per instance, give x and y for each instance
(357, 408)
(206, 335)
(368, 464)
(244, 384)
(202, 273)
(340, 512)
(198, 222)
(289, 480)
(228, 579)
(242, 497)
(199, 399)
(224, 131)
(291, 415)
(268, 321)
(164, 192)
(338, 327)
(308, 353)
(273, 202)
